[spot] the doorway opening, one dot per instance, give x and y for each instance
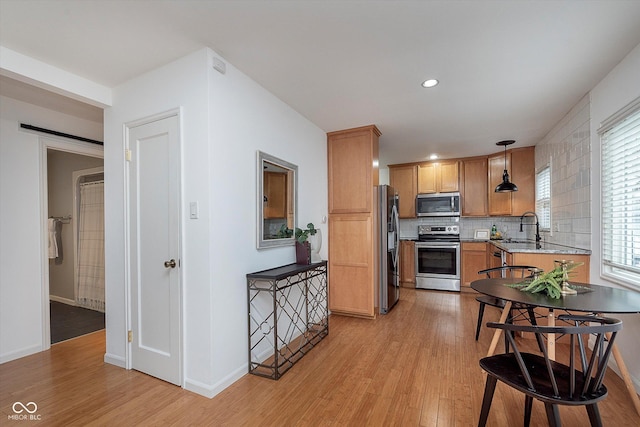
(74, 207)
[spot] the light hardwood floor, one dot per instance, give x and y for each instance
(418, 365)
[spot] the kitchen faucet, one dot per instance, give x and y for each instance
(529, 213)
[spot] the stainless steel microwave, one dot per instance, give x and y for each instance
(439, 204)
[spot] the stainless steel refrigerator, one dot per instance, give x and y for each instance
(388, 229)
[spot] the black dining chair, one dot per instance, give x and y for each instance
(537, 376)
(508, 271)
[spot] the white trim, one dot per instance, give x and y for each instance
(211, 391)
(177, 112)
(62, 300)
(69, 146)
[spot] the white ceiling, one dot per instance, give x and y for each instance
(507, 69)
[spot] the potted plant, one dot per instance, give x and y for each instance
(553, 283)
(303, 248)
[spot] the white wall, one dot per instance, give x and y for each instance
(226, 119)
(616, 90)
(21, 267)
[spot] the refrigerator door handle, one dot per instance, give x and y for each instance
(396, 222)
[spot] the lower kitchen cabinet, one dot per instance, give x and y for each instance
(407, 264)
(352, 278)
(546, 262)
(474, 259)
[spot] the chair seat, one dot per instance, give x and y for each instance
(505, 368)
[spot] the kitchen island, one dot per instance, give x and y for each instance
(478, 255)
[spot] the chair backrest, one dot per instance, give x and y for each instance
(582, 378)
(508, 271)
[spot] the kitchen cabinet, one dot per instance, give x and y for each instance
(498, 203)
(438, 177)
(351, 265)
(404, 179)
(545, 261)
(352, 154)
(474, 259)
(275, 195)
(473, 186)
(352, 173)
(407, 263)
(523, 173)
(521, 168)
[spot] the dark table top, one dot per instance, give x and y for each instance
(595, 299)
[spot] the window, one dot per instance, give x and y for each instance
(620, 138)
(543, 197)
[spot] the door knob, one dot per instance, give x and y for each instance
(170, 264)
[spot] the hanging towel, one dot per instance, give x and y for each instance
(53, 246)
(58, 236)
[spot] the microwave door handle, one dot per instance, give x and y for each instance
(453, 205)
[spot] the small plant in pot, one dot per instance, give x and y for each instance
(303, 247)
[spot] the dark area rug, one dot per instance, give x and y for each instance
(69, 322)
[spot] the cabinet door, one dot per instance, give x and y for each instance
(499, 203)
(427, 178)
(474, 187)
(474, 259)
(275, 193)
(351, 171)
(404, 180)
(351, 264)
(448, 177)
(524, 176)
(408, 262)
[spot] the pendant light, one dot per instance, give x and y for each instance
(505, 186)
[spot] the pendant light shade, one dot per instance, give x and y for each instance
(505, 186)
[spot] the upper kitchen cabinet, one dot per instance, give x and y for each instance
(521, 168)
(499, 203)
(438, 177)
(473, 186)
(275, 195)
(404, 179)
(523, 173)
(353, 170)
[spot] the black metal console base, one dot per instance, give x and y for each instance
(288, 315)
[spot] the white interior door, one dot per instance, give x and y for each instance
(154, 172)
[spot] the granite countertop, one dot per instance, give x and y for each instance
(530, 246)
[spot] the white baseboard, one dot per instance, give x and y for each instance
(211, 391)
(27, 351)
(62, 300)
(112, 359)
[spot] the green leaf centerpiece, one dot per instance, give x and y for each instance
(551, 282)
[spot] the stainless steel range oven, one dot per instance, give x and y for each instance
(438, 257)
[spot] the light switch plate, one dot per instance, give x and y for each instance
(193, 210)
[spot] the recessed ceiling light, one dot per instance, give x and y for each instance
(429, 83)
(433, 156)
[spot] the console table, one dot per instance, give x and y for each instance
(288, 315)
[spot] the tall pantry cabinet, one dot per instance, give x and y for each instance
(353, 173)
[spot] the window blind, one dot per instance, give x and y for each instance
(621, 196)
(543, 197)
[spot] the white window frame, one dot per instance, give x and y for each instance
(620, 266)
(543, 197)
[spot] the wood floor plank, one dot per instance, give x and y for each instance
(416, 366)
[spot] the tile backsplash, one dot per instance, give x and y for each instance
(567, 148)
(508, 226)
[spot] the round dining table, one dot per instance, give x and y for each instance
(588, 298)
